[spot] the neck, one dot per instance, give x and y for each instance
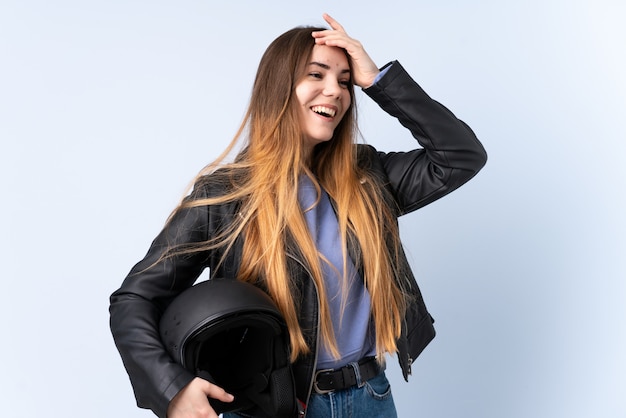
(307, 154)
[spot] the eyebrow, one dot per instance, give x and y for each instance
(327, 67)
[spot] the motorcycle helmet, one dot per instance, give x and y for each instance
(232, 334)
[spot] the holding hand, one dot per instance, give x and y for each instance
(364, 69)
(192, 401)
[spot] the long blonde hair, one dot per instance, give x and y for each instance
(264, 178)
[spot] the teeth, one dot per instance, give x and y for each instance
(323, 110)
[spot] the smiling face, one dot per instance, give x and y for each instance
(323, 94)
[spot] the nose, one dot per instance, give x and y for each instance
(332, 87)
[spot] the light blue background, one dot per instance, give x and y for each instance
(109, 108)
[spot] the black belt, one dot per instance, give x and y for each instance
(330, 380)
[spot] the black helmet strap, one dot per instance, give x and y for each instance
(267, 386)
(271, 393)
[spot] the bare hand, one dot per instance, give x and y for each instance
(364, 69)
(192, 401)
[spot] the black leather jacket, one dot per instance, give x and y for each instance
(450, 155)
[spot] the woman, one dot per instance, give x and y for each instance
(311, 218)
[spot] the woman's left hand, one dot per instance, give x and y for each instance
(364, 69)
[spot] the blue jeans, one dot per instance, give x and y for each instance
(372, 400)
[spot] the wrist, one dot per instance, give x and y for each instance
(370, 80)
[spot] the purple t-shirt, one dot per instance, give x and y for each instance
(353, 328)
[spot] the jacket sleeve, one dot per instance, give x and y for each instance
(136, 308)
(450, 154)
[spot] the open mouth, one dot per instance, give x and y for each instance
(324, 111)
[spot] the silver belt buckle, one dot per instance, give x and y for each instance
(316, 388)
